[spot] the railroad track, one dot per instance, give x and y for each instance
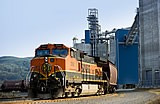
(36, 101)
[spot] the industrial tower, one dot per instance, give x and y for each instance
(94, 29)
(118, 46)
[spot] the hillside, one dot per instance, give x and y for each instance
(14, 68)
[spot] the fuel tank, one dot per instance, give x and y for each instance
(89, 89)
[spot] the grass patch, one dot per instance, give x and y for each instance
(4, 95)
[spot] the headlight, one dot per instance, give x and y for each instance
(46, 59)
(53, 75)
(34, 75)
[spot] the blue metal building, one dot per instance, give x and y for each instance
(126, 59)
(87, 37)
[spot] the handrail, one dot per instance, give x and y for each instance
(131, 36)
(62, 73)
(28, 76)
(106, 75)
(27, 80)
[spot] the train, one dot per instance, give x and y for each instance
(14, 85)
(60, 71)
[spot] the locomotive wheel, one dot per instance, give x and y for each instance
(106, 90)
(66, 94)
(51, 93)
(97, 93)
(73, 94)
(114, 89)
(55, 93)
(32, 93)
(78, 92)
(110, 90)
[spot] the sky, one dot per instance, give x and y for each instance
(26, 24)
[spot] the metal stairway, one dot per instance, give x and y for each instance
(133, 33)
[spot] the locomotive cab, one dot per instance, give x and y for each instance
(48, 70)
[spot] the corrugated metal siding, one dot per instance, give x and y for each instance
(112, 54)
(149, 16)
(126, 60)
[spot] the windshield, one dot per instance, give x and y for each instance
(42, 52)
(60, 52)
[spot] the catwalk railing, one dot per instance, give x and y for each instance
(150, 83)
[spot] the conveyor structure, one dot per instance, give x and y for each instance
(133, 33)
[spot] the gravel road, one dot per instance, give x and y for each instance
(127, 96)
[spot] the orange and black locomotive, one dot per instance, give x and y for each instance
(57, 71)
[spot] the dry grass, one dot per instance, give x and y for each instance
(8, 95)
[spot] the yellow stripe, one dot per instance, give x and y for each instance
(89, 63)
(77, 72)
(43, 78)
(52, 57)
(80, 80)
(65, 71)
(95, 80)
(70, 71)
(89, 80)
(48, 57)
(73, 79)
(90, 74)
(39, 73)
